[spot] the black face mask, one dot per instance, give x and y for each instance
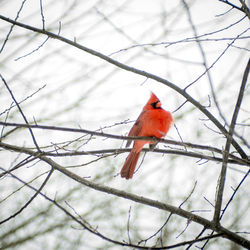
(154, 105)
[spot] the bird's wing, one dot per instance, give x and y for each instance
(135, 130)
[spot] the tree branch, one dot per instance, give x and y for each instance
(136, 71)
(234, 159)
(11, 28)
(94, 231)
(245, 8)
(227, 147)
(20, 110)
(30, 200)
(146, 201)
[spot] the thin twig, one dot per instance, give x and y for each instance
(20, 110)
(26, 98)
(205, 63)
(231, 4)
(30, 200)
(234, 193)
(188, 39)
(17, 166)
(34, 50)
(12, 26)
(217, 59)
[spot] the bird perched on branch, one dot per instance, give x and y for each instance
(153, 121)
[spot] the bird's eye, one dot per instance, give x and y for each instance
(156, 105)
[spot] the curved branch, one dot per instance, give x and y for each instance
(94, 231)
(146, 201)
(30, 200)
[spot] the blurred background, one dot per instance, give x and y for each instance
(57, 84)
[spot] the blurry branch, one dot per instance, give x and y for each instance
(234, 193)
(207, 68)
(217, 215)
(208, 71)
(42, 16)
(227, 147)
(189, 39)
(136, 71)
(83, 224)
(88, 227)
(205, 63)
(128, 228)
(35, 217)
(234, 159)
(118, 29)
(26, 98)
(20, 110)
(29, 235)
(149, 202)
(30, 200)
(17, 166)
(185, 40)
(169, 217)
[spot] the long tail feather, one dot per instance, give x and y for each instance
(130, 164)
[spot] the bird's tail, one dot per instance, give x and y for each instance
(130, 164)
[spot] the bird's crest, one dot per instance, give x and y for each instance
(153, 102)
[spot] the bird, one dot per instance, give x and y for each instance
(153, 121)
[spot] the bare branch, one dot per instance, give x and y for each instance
(25, 99)
(40, 46)
(231, 4)
(216, 60)
(243, 8)
(90, 158)
(136, 71)
(189, 39)
(30, 200)
(92, 230)
(227, 147)
(20, 110)
(205, 63)
(41, 11)
(149, 202)
(12, 26)
(234, 159)
(234, 193)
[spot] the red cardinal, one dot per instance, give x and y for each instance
(153, 121)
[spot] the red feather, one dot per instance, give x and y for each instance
(153, 121)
